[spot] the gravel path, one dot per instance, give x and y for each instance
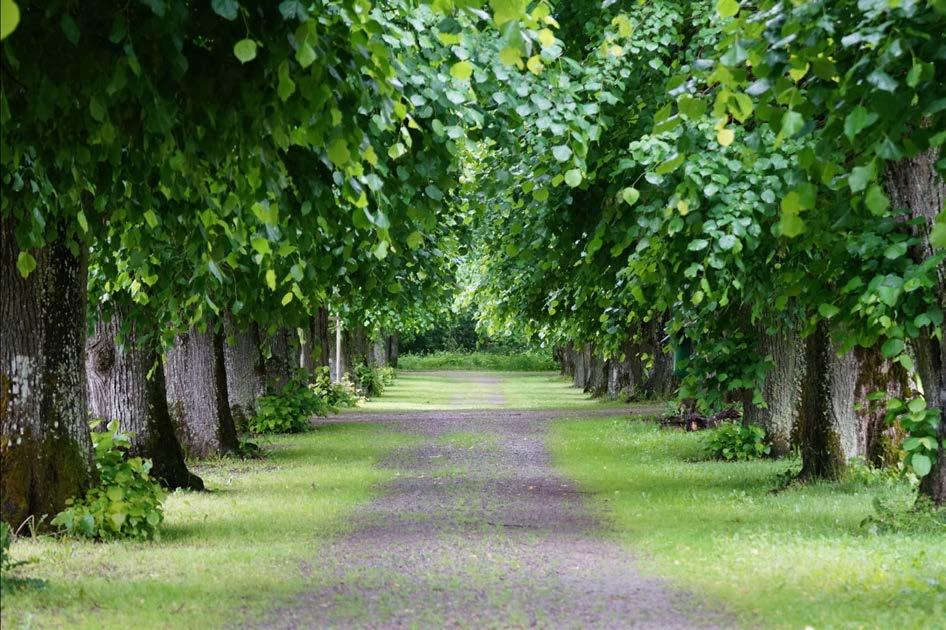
(479, 531)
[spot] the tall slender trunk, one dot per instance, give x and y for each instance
(197, 394)
(378, 352)
(45, 446)
(392, 342)
(914, 184)
(334, 359)
(818, 435)
(120, 389)
(243, 363)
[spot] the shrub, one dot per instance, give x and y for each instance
(735, 442)
(127, 501)
(289, 411)
(335, 395)
(370, 380)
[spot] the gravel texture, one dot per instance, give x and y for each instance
(481, 532)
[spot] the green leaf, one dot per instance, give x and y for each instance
(857, 120)
(573, 177)
(510, 55)
(859, 178)
(892, 347)
(415, 239)
(286, 299)
(9, 17)
(261, 245)
(792, 123)
(338, 152)
(25, 263)
(381, 250)
(305, 55)
(921, 464)
(461, 70)
(828, 310)
(245, 50)
(507, 10)
(876, 200)
(561, 152)
(227, 9)
(271, 279)
(938, 233)
(630, 195)
(727, 8)
(792, 225)
(669, 165)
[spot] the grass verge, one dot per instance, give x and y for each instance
(793, 559)
(224, 555)
(522, 362)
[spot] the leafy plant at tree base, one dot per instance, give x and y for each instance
(735, 442)
(335, 395)
(370, 380)
(921, 517)
(127, 502)
(289, 411)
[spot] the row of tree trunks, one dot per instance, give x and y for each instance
(120, 389)
(45, 444)
(197, 394)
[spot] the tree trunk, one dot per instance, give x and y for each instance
(818, 435)
(781, 389)
(45, 446)
(598, 375)
(197, 394)
(392, 349)
(356, 343)
(861, 422)
(278, 366)
(914, 184)
(333, 352)
(660, 382)
(243, 364)
(378, 351)
(315, 350)
(120, 389)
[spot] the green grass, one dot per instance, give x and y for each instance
(791, 559)
(224, 555)
(446, 390)
(521, 362)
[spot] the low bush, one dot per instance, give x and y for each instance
(289, 411)
(734, 442)
(529, 361)
(922, 517)
(127, 501)
(336, 395)
(371, 381)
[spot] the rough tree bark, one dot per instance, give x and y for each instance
(818, 435)
(861, 423)
(378, 351)
(660, 382)
(120, 389)
(243, 363)
(914, 184)
(45, 447)
(626, 373)
(781, 389)
(314, 352)
(278, 366)
(197, 394)
(598, 375)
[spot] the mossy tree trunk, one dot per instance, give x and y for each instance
(120, 388)
(818, 434)
(45, 445)
(243, 363)
(915, 185)
(197, 394)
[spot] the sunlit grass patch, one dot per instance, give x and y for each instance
(789, 559)
(241, 548)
